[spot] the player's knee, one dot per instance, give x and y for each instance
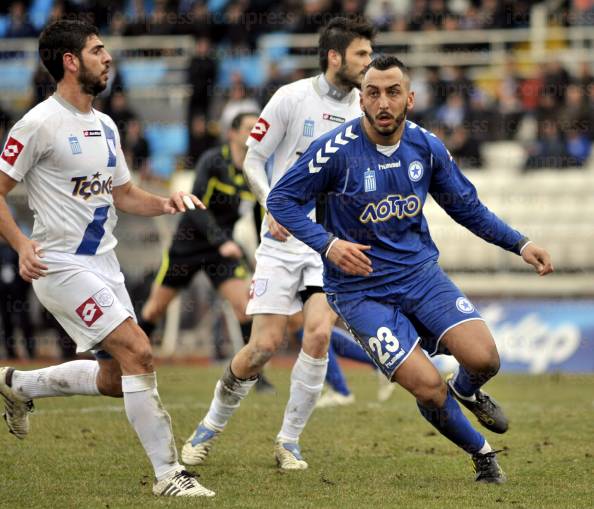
(151, 313)
(432, 392)
(139, 355)
(316, 339)
(486, 362)
(260, 352)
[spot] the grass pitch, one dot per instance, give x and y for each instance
(82, 453)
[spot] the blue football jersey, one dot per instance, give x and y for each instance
(368, 197)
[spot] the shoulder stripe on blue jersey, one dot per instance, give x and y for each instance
(94, 232)
(322, 157)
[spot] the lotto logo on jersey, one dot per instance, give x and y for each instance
(89, 311)
(260, 129)
(86, 188)
(12, 150)
(391, 206)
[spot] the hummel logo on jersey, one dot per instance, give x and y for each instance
(387, 166)
(260, 129)
(89, 312)
(12, 150)
(315, 165)
(87, 188)
(391, 206)
(91, 133)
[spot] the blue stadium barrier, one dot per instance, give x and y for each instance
(142, 74)
(15, 75)
(166, 141)
(250, 67)
(3, 25)
(39, 12)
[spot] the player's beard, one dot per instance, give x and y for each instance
(90, 84)
(347, 80)
(388, 131)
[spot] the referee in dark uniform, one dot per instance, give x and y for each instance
(203, 239)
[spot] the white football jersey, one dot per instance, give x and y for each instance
(297, 114)
(69, 162)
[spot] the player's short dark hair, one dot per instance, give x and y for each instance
(61, 37)
(339, 33)
(385, 62)
(238, 119)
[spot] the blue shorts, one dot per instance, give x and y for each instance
(388, 321)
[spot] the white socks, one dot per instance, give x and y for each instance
(228, 394)
(307, 381)
(151, 422)
(68, 379)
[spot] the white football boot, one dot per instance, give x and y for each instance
(16, 408)
(181, 483)
(288, 456)
(197, 447)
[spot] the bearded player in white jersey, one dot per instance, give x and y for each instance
(288, 274)
(69, 157)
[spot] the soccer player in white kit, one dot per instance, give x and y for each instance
(69, 157)
(288, 274)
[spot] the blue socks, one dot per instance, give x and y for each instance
(453, 424)
(345, 346)
(467, 383)
(334, 375)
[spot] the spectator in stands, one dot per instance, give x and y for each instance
(238, 101)
(549, 150)
(578, 147)
(202, 77)
(556, 81)
(43, 85)
(465, 148)
(238, 28)
(5, 123)
(453, 112)
(19, 25)
(136, 148)
(14, 303)
(312, 16)
(119, 110)
(460, 84)
(584, 78)
(201, 139)
(573, 116)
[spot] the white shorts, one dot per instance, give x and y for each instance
(278, 279)
(86, 294)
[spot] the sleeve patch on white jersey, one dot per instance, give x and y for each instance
(12, 150)
(260, 129)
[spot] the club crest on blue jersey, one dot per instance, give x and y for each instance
(369, 179)
(464, 305)
(74, 145)
(415, 171)
(308, 128)
(391, 206)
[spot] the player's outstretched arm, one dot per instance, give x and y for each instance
(539, 258)
(349, 257)
(133, 200)
(30, 266)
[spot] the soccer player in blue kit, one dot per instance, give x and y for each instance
(370, 178)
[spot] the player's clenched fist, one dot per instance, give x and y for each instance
(30, 266)
(539, 258)
(350, 257)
